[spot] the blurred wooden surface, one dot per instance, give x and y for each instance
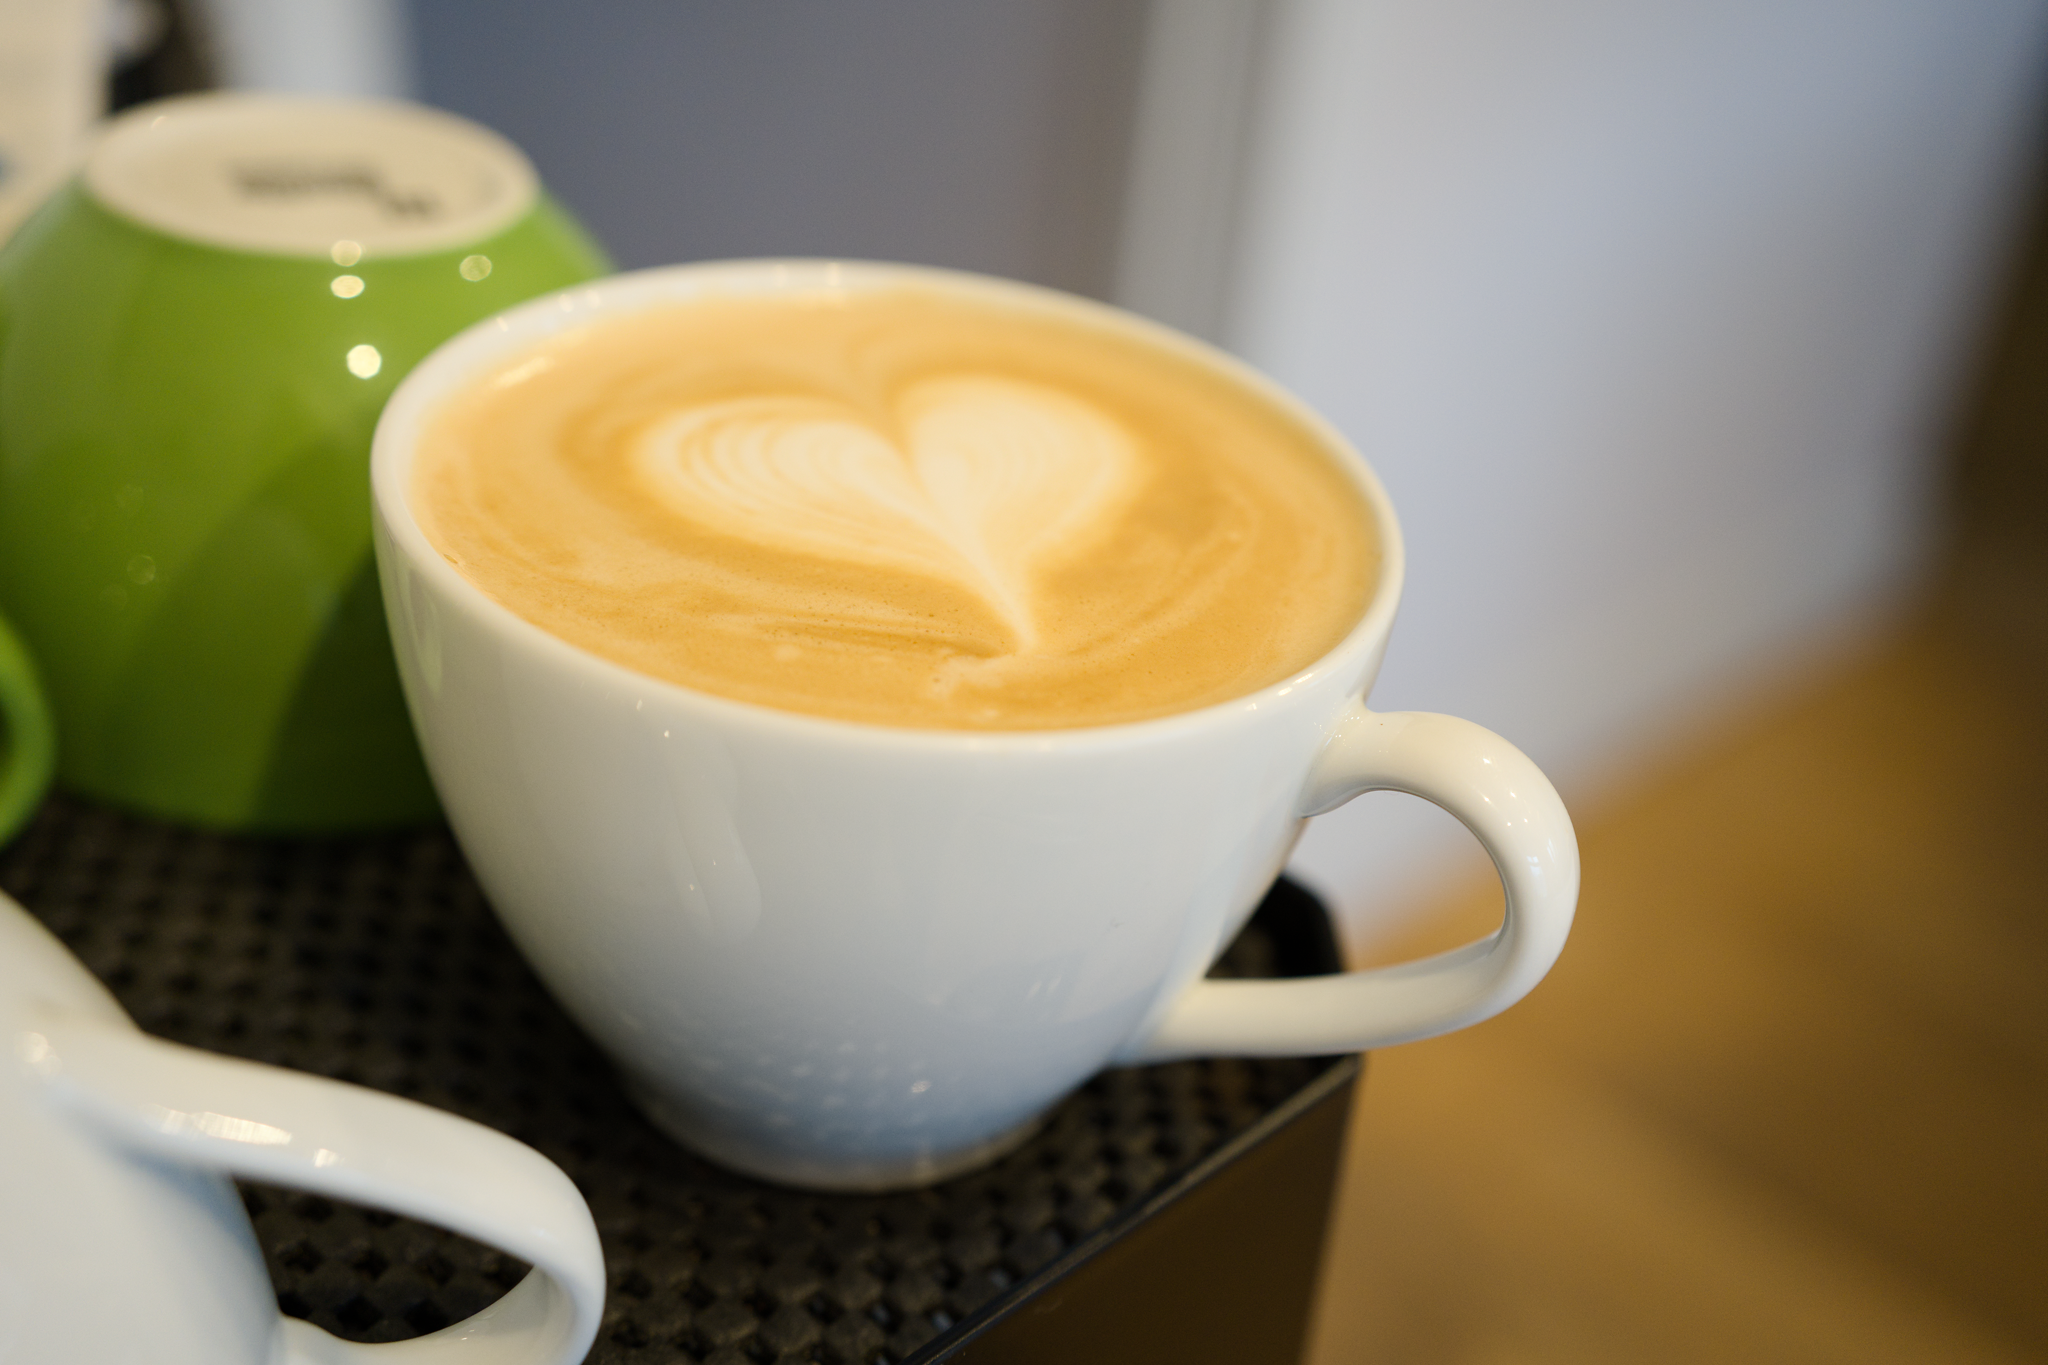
(1785, 1096)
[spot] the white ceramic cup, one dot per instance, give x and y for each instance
(122, 1240)
(853, 956)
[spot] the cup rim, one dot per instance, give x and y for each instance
(464, 357)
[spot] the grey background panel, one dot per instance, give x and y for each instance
(983, 135)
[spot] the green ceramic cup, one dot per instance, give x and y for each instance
(196, 337)
(28, 741)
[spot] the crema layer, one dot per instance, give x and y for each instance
(900, 506)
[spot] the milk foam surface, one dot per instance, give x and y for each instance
(901, 506)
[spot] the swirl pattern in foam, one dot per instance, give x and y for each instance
(993, 478)
(902, 506)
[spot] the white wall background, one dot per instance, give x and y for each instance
(1647, 313)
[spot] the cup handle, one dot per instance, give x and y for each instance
(28, 737)
(200, 1109)
(1515, 813)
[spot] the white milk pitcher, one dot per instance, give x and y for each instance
(122, 1240)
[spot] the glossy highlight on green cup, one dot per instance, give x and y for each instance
(184, 489)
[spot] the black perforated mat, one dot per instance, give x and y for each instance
(376, 960)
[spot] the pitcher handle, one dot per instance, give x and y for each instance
(289, 1128)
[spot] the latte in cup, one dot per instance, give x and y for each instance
(900, 505)
(991, 524)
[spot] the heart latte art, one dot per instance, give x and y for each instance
(900, 506)
(984, 480)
